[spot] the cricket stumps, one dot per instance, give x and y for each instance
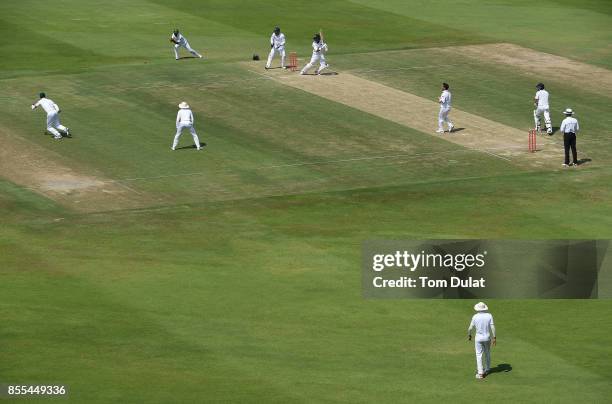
(293, 61)
(533, 145)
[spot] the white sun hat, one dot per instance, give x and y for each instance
(480, 307)
(183, 105)
(568, 111)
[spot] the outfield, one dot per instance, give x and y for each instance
(136, 274)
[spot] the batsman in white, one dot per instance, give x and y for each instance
(482, 322)
(277, 45)
(542, 108)
(53, 121)
(319, 47)
(184, 120)
(180, 41)
(445, 107)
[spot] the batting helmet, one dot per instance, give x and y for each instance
(540, 86)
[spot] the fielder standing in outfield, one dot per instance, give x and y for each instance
(482, 322)
(180, 41)
(184, 120)
(319, 47)
(53, 121)
(569, 128)
(445, 107)
(542, 108)
(277, 44)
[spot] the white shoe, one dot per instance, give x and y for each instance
(479, 376)
(285, 67)
(302, 73)
(440, 131)
(565, 165)
(450, 128)
(200, 56)
(58, 137)
(172, 148)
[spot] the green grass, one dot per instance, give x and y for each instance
(240, 280)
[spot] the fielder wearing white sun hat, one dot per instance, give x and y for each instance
(185, 120)
(482, 323)
(568, 111)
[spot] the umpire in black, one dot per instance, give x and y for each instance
(569, 128)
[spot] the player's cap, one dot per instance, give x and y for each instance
(568, 111)
(42, 95)
(480, 307)
(183, 105)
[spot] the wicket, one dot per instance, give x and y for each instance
(293, 62)
(532, 140)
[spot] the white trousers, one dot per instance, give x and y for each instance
(186, 46)
(537, 113)
(53, 124)
(483, 348)
(273, 52)
(314, 59)
(443, 118)
(179, 131)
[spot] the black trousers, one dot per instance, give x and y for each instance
(569, 140)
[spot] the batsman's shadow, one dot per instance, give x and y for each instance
(502, 367)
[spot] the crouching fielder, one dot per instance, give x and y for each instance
(445, 107)
(482, 322)
(277, 43)
(180, 41)
(184, 120)
(53, 121)
(318, 55)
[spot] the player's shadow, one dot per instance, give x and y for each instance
(329, 74)
(502, 367)
(191, 147)
(188, 57)
(457, 129)
(584, 161)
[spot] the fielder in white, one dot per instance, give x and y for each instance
(53, 122)
(318, 55)
(180, 41)
(542, 108)
(184, 120)
(277, 45)
(482, 322)
(445, 107)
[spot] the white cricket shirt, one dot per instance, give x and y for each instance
(483, 323)
(445, 99)
(542, 97)
(180, 39)
(277, 40)
(48, 105)
(184, 116)
(569, 124)
(318, 47)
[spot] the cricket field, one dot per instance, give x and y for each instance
(136, 274)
